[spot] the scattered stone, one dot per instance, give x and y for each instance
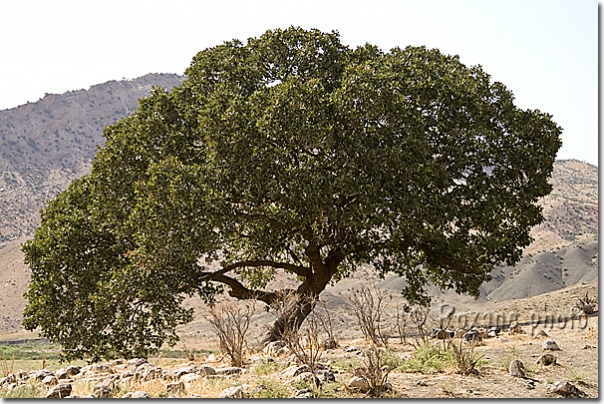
(530, 385)
(541, 333)
(517, 369)
(329, 344)
(139, 394)
(102, 367)
(8, 380)
(550, 345)
(567, 390)
(472, 335)
(50, 381)
(136, 362)
(295, 370)
(434, 332)
(205, 370)
(116, 362)
(178, 373)
(232, 392)
(102, 391)
(351, 348)
(303, 393)
(515, 328)
(503, 339)
(326, 376)
(546, 360)
(421, 383)
(176, 388)
(308, 377)
(147, 372)
(273, 348)
(59, 391)
(492, 334)
(259, 389)
(358, 383)
(190, 377)
(227, 371)
(41, 374)
(587, 346)
(495, 330)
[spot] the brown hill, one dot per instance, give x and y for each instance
(46, 144)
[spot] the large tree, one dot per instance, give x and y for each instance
(290, 153)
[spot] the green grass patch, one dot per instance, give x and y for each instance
(273, 390)
(265, 368)
(428, 359)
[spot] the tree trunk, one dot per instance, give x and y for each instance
(303, 302)
(291, 319)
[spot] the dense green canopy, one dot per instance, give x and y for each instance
(292, 153)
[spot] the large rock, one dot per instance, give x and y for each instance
(550, 345)
(68, 372)
(190, 377)
(41, 374)
(275, 348)
(295, 370)
(308, 377)
(567, 390)
(546, 360)
(358, 383)
(136, 362)
(517, 368)
(232, 392)
(59, 391)
(205, 370)
(515, 328)
(102, 367)
(8, 380)
(50, 381)
(176, 388)
(178, 373)
(228, 371)
(137, 394)
(472, 335)
(102, 391)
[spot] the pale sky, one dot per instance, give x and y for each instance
(545, 51)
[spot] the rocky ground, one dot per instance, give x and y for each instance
(416, 370)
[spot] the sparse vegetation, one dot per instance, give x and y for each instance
(231, 322)
(377, 365)
(369, 304)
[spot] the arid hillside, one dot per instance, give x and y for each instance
(46, 144)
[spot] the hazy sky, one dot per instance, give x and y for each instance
(545, 51)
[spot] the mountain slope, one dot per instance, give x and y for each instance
(46, 144)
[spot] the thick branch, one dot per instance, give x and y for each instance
(239, 291)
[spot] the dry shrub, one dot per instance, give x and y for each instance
(368, 304)
(5, 368)
(401, 324)
(303, 341)
(587, 304)
(324, 319)
(418, 315)
(378, 363)
(465, 358)
(230, 322)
